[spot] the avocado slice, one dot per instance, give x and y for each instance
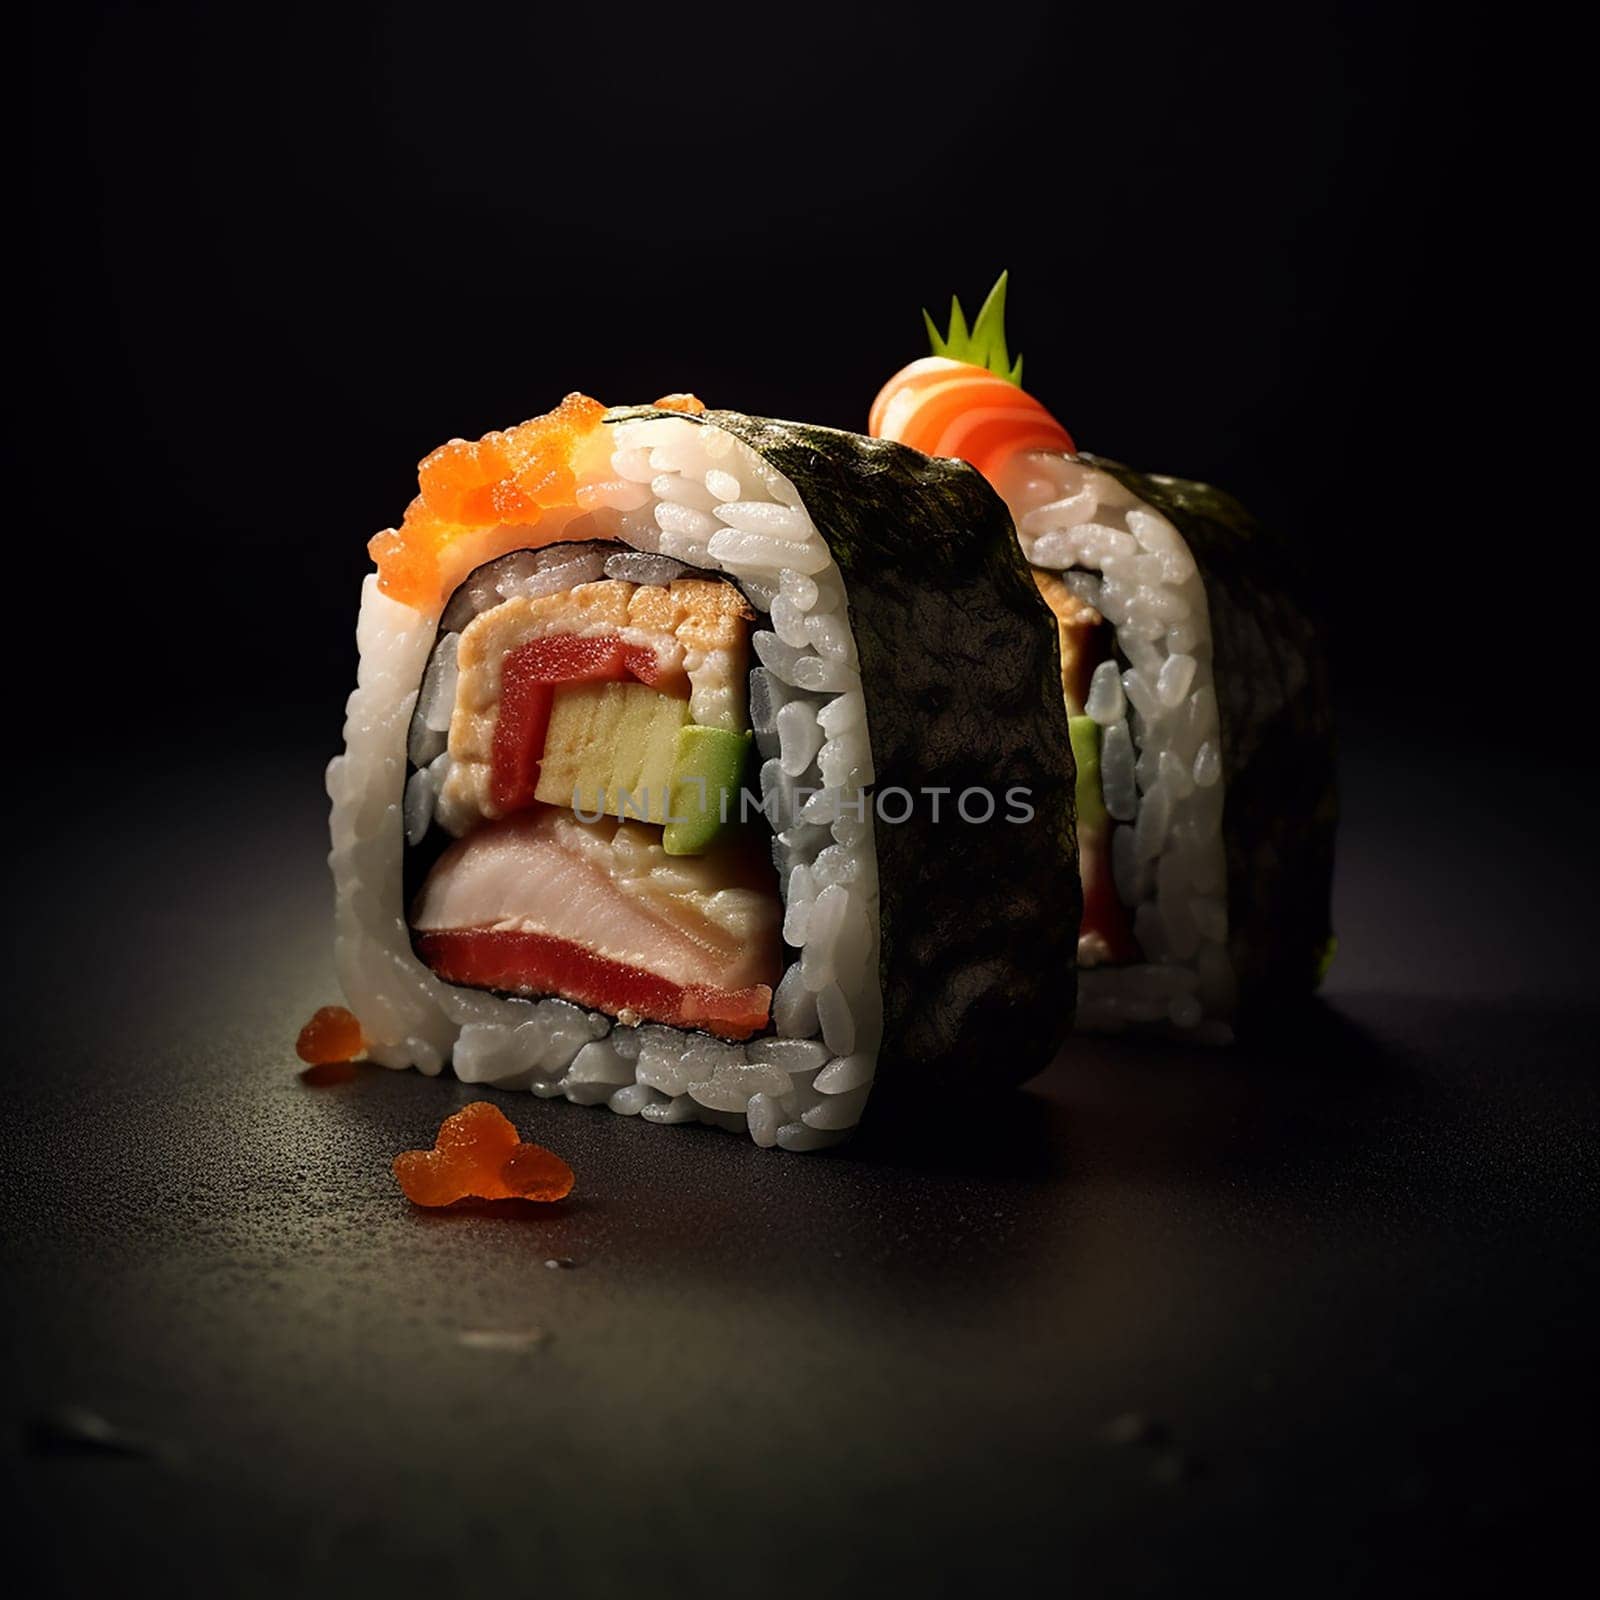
(705, 788)
(610, 748)
(1085, 735)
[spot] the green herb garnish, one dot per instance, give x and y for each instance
(984, 345)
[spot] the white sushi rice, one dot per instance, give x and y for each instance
(1160, 757)
(694, 494)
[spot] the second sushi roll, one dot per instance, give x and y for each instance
(1196, 684)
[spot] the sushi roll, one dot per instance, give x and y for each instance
(1197, 693)
(702, 766)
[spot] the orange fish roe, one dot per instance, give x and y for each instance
(503, 478)
(537, 1174)
(478, 1155)
(332, 1036)
(693, 404)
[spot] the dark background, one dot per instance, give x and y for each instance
(272, 255)
(284, 252)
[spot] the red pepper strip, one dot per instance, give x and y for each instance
(536, 963)
(1103, 912)
(527, 679)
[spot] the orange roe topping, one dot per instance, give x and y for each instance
(693, 404)
(332, 1035)
(478, 1155)
(502, 478)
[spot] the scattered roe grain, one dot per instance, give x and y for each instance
(478, 1155)
(331, 1037)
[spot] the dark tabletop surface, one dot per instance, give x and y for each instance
(1310, 1316)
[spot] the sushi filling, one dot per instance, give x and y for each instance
(1087, 644)
(595, 744)
(599, 914)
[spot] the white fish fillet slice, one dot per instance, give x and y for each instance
(546, 872)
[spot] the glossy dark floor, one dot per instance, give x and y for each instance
(1340, 1284)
